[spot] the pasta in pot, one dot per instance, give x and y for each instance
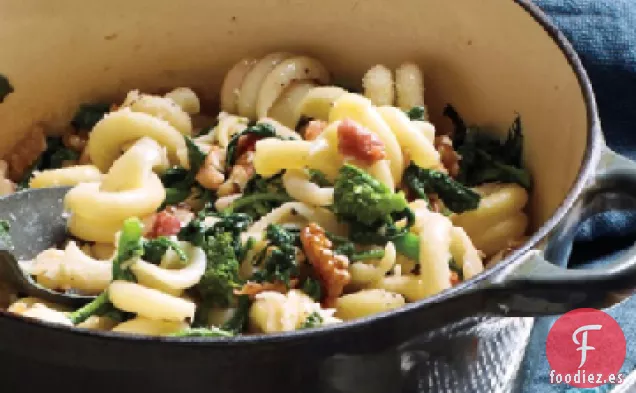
(304, 205)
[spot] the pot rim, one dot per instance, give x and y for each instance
(587, 168)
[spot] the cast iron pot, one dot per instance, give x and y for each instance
(489, 58)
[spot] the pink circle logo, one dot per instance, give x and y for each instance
(585, 349)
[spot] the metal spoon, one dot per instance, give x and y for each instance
(37, 222)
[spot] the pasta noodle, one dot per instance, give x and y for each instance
(149, 303)
(498, 220)
(129, 189)
(367, 302)
(150, 327)
(172, 280)
(364, 273)
(70, 269)
(161, 108)
(379, 86)
(186, 99)
(318, 101)
(299, 187)
(231, 87)
(274, 312)
(285, 110)
(69, 176)
(122, 127)
(409, 86)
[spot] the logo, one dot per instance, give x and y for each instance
(586, 348)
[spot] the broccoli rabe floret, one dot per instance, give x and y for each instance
(361, 198)
(280, 263)
(313, 320)
(456, 197)
(154, 249)
(484, 157)
(221, 275)
(260, 196)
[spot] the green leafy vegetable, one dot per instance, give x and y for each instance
(454, 266)
(319, 178)
(358, 197)
(129, 246)
(238, 322)
(5, 88)
(95, 307)
(221, 275)
(179, 182)
(280, 263)
(52, 158)
(313, 320)
(485, 158)
(196, 157)
(311, 287)
(260, 196)
(154, 249)
(203, 332)
(87, 115)
(457, 197)
(262, 130)
(417, 113)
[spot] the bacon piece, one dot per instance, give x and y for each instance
(360, 143)
(164, 224)
(332, 269)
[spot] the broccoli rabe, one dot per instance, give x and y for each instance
(456, 197)
(313, 320)
(179, 182)
(154, 249)
(238, 322)
(87, 115)
(280, 263)
(262, 130)
(417, 113)
(52, 158)
(260, 196)
(319, 178)
(487, 159)
(221, 275)
(358, 197)
(312, 288)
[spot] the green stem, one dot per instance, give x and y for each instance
(408, 245)
(367, 255)
(92, 308)
(242, 202)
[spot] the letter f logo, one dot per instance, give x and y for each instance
(583, 344)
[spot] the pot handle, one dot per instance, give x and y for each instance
(534, 286)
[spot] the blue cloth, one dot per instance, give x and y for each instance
(603, 33)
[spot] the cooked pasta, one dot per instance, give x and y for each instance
(304, 205)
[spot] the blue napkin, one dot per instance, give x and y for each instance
(603, 33)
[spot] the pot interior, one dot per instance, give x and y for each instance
(488, 58)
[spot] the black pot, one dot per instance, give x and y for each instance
(35, 355)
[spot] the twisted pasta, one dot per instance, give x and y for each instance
(122, 127)
(150, 327)
(70, 269)
(274, 312)
(172, 281)
(409, 86)
(149, 303)
(163, 108)
(299, 187)
(498, 220)
(367, 302)
(69, 176)
(379, 86)
(129, 189)
(363, 273)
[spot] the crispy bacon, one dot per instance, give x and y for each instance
(358, 142)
